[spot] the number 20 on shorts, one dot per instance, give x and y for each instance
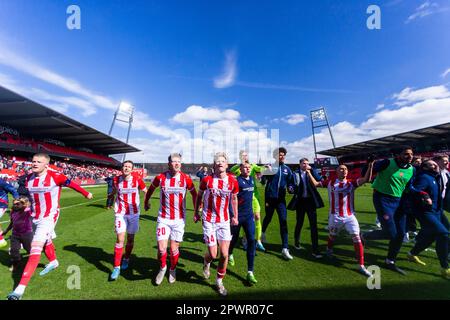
(161, 231)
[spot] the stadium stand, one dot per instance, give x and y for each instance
(427, 143)
(80, 152)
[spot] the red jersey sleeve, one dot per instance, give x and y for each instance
(189, 183)
(141, 184)
(115, 182)
(235, 186)
(204, 183)
(156, 181)
(60, 179)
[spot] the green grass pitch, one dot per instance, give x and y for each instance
(85, 239)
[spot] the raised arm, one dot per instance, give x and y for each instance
(368, 176)
(313, 180)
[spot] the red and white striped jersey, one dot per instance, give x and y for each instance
(127, 198)
(342, 196)
(45, 192)
(173, 194)
(217, 197)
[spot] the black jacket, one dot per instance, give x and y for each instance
(298, 190)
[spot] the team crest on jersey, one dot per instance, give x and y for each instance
(401, 174)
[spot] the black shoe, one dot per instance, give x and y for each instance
(393, 267)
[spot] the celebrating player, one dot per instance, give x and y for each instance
(44, 187)
(218, 190)
(427, 192)
(277, 179)
(393, 177)
(171, 214)
(246, 218)
(341, 194)
(4, 189)
(127, 210)
(256, 200)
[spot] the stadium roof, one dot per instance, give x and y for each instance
(34, 120)
(439, 134)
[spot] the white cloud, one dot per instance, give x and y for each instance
(409, 95)
(56, 102)
(228, 77)
(294, 119)
(426, 9)
(85, 99)
(27, 66)
(249, 124)
(271, 86)
(291, 119)
(446, 72)
(380, 106)
(199, 113)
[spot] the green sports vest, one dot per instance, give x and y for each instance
(393, 180)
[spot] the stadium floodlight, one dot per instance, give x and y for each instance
(319, 119)
(125, 109)
(124, 113)
(318, 115)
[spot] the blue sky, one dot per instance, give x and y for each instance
(237, 65)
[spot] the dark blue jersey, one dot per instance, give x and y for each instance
(245, 196)
(5, 187)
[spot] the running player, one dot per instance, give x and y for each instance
(171, 214)
(246, 218)
(341, 194)
(127, 210)
(427, 205)
(44, 187)
(219, 189)
(5, 187)
(255, 172)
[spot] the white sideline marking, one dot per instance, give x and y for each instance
(82, 204)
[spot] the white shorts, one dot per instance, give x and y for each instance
(213, 232)
(337, 223)
(173, 229)
(44, 229)
(2, 211)
(127, 223)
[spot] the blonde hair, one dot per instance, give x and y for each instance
(25, 201)
(42, 155)
(241, 153)
(220, 154)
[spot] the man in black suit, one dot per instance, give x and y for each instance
(305, 201)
